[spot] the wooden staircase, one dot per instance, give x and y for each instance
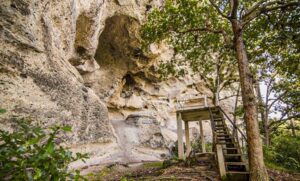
(231, 161)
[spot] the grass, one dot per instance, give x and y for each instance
(99, 175)
(277, 167)
(126, 175)
(153, 165)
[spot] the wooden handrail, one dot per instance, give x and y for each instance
(213, 128)
(233, 123)
(189, 98)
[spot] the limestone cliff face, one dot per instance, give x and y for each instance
(57, 63)
(79, 62)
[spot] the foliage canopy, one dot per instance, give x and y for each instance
(33, 153)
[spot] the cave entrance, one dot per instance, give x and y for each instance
(118, 42)
(117, 54)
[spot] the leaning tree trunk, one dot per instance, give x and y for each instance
(257, 167)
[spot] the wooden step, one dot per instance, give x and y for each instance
(232, 155)
(223, 135)
(224, 139)
(219, 124)
(237, 172)
(229, 148)
(226, 143)
(218, 119)
(238, 175)
(220, 128)
(235, 163)
(221, 132)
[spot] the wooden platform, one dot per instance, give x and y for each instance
(230, 160)
(195, 113)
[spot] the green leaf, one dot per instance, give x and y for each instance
(38, 174)
(26, 148)
(67, 128)
(50, 148)
(2, 111)
(33, 141)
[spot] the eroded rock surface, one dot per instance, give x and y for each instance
(80, 62)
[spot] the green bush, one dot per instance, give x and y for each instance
(284, 152)
(196, 146)
(33, 153)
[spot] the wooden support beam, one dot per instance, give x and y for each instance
(180, 137)
(202, 140)
(221, 161)
(205, 100)
(187, 138)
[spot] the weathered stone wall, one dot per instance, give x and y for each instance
(47, 60)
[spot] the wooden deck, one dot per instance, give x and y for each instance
(195, 113)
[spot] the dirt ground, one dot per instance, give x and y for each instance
(157, 171)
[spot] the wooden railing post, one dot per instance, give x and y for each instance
(187, 138)
(202, 140)
(213, 130)
(180, 137)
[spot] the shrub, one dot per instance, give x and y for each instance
(33, 153)
(285, 152)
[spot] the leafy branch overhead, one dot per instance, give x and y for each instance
(198, 38)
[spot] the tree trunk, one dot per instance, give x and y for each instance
(293, 127)
(266, 128)
(257, 167)
(217, 85)
(234, 115)
(264, 113)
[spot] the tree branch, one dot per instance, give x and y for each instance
(226, 97)
(234, 9)
(263, 7)
(282, 121)
(201, 30)
(218, 9)
(277, 99)
(207, 29)
(253, 8)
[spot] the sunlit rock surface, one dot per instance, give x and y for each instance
(79, 62)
